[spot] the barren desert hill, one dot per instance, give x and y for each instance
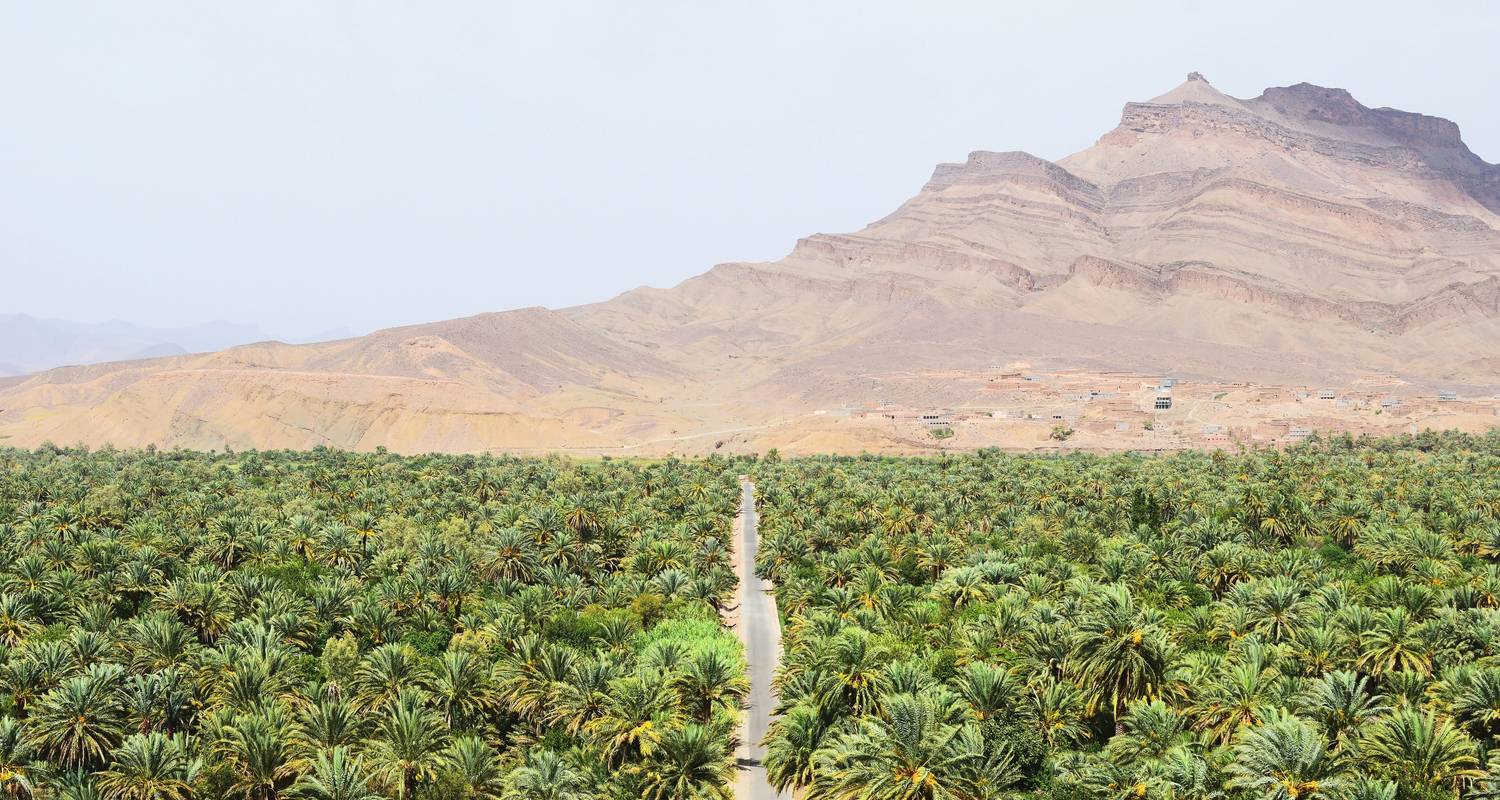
(1298, 237)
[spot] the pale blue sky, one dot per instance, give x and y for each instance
(304, 165)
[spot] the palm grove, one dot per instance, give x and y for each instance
(340, 626)
(336, 626)
(1320, 622)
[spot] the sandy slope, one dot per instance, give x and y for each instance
(1298, 237)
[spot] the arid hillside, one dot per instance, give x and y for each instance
(1298, 238)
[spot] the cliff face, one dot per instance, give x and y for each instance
(1294, 236)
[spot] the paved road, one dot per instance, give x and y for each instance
(760, 629)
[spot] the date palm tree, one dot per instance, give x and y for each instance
(151, 766)
(709, 682)
(257, 746)
(386, 673)
(1394, 644)
(20, 764)
(546, 775)
(1475, 702)
(531, 675)
(1284, 759)
(640, 710)
(463, 688)
(1120, 656)
(792, 744)
(1240, 695)
(992, 692)
(910, 752)
(17, 619)
(1417, 749)
(1057, 713)
(79, 723)
(407, 749)
(336, 775)
(857, 661)
(1150, 730)
(584, 698)
(1342, 704)
(1279, 609)
(472, 762)
(689, 764)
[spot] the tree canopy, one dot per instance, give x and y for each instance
(1318, 622)
(342, 626)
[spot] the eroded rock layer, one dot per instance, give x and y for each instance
(1298, 236)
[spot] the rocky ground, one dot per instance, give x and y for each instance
(1295, 239)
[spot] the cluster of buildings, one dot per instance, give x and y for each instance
(1127, 410)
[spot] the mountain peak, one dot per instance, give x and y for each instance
(1290, 239)
(1196, 89)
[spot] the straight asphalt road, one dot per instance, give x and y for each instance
(760, 629)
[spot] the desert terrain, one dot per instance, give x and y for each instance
(1293, 262)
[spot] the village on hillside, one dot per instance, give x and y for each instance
(1094, 410)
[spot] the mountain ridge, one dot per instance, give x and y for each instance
(1291, 237)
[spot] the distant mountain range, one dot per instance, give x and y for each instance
(32, 344)
(1298, 237)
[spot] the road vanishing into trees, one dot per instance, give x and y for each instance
(760, 629)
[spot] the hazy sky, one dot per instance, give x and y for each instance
(304, 164)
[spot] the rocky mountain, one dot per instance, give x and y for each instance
(1295, 237)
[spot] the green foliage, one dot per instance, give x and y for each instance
(696, 636)
(428, 643)
(1319, 622)
(341, 626)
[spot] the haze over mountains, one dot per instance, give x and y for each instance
(32, 344)
(1295, 237)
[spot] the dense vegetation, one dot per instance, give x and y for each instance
(1320, 622)
(342, 627)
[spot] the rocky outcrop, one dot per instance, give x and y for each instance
(1277, 238)
(855, 252)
